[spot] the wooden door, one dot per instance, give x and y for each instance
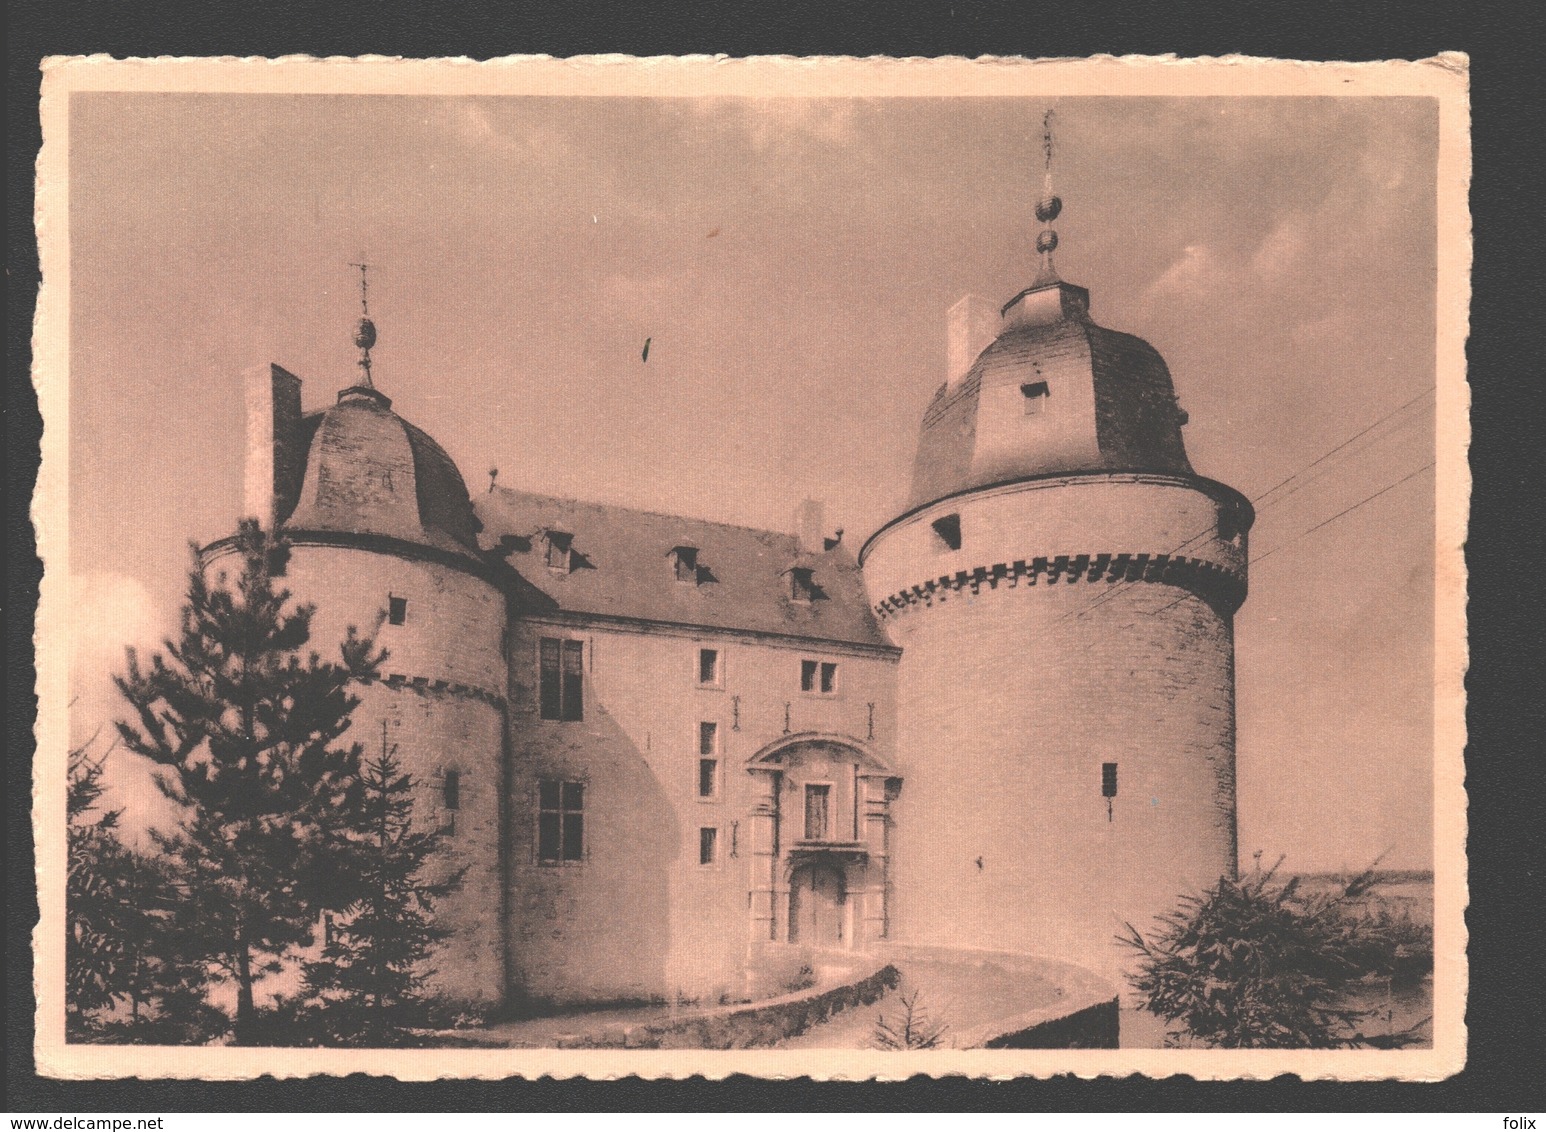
(818, 906)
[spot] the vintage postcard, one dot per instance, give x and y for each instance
(802, 567)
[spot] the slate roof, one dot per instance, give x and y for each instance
(368, 471)
(624, 567)
(1138, 424)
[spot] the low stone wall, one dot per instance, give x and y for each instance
(747, 1026)
(1085, 1014)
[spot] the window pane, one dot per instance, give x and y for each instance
(708, 666)
(573, 705)
(708, 738)
(549, 693)
(574, 795)
(547, 794)
(453, 790)
(816, 812)
(708, 775)
(547, 836)
(574, 836)
(828, 677)
(708, 845)
(1108, 779)
(807, 676)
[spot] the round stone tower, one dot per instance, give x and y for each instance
(1063, 587)
(383, 538)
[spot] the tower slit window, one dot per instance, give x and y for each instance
(948, 529)
(1108, 785)
(710, 668)
(708, 845)
(397, 609)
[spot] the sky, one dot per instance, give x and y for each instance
(791, 262)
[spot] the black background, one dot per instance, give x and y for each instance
(1506, 687)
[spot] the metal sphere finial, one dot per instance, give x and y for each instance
(1046, 241)
(1048, 209)
(365, 334)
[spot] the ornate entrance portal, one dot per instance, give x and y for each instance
(819, 841)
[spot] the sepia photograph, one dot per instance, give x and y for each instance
(828, 567)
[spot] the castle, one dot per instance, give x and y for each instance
(675, 755)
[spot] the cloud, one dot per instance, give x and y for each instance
(111, 612)
(1198, 270)
(783, 123)
(1284, 249)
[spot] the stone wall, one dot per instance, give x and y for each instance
(639, 918)
(440, 697)
(1013, 693)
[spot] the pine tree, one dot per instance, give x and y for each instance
(372, 967)
(118, 903)
(251, 733)
(909, 1028)
(1259, 963)
(95, 967)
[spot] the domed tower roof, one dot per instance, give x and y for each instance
(370, 472)
(1052, 393)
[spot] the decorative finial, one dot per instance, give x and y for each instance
(365, 329)
(1047, 208)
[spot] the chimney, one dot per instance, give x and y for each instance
(972, 324)
(275, 460)
(810, 526)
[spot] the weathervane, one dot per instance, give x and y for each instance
(1048, 207)
(365, 329)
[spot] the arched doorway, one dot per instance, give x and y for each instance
(818, 906)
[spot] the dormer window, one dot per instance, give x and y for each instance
(1035, 396)
(558, 550)
(802, 584)
(684, 563)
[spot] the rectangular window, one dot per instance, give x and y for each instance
(708, 738)
(802, 584)
(710, 671)
(817, 796)
(708, 778)
(560, 822)
(1035, 394)
(397, 610)
(561, 679)
(708, 845)
(818, 676)
(1108, 780)
(451, 789)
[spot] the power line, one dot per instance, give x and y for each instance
(1325, 522)
(1344, 511)
(1398, 409)
(1122, 587)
